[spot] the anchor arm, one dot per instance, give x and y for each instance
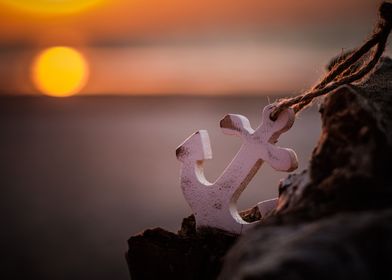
(282, 159)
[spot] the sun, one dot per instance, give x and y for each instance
(51, 6)
(60, 71)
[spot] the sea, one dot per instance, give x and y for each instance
(81, 175)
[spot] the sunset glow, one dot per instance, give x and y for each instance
(60, 71)
(177, 47)
(51, 6)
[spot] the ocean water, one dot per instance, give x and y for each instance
(79, 176)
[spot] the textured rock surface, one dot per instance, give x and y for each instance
(334, 220)
(159, 254)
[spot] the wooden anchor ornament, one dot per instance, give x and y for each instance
(214, 204)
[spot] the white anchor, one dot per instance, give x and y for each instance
(214, 204)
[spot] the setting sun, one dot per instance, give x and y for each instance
(60, 71)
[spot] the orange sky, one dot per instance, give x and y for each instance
(188, 46)
(135, 19)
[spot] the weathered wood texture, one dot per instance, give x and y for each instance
(333, 221)
(214, 204)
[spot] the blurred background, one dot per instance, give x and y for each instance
(95, 96)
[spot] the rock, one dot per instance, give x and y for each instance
(351, 245)
(159, 254)
(334, 220)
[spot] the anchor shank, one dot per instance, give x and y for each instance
(239, 172)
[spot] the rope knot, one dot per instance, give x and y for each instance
(345, 71)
